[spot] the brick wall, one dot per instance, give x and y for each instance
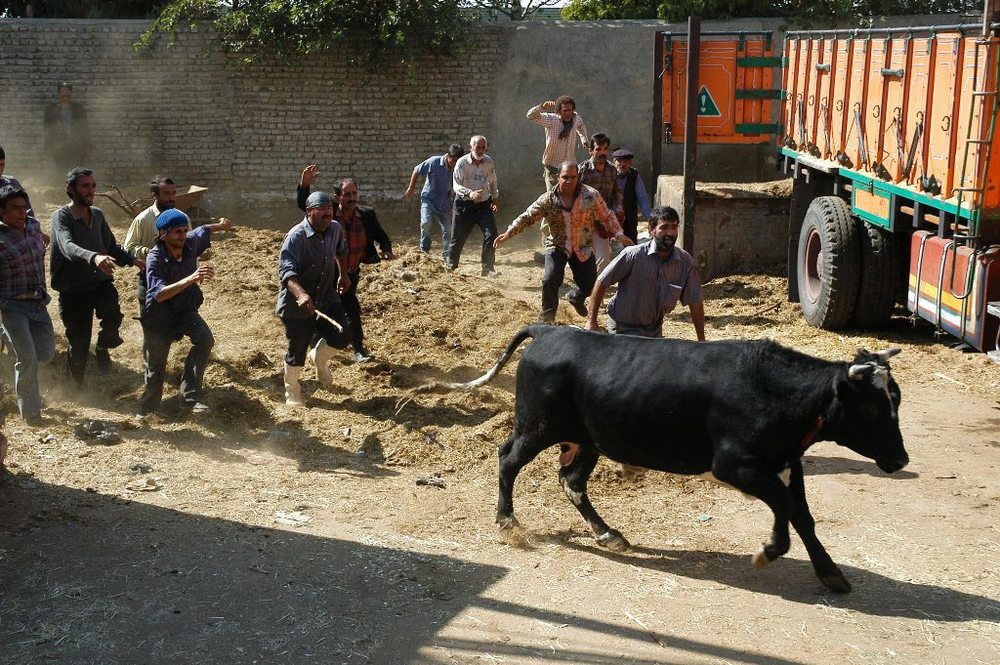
(243, 131)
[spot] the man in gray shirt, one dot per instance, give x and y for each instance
(652, 277)
(84, 254)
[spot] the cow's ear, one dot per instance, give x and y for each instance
(863, 356)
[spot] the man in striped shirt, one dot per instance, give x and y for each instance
(652, 278)
(561, 121)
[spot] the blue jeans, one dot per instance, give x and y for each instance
(428, 213)
(27, 328)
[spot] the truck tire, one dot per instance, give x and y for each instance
(879, 278)
(829, 263)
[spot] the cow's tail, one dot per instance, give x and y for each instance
(519, 337)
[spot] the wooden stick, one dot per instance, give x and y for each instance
(765, 310)
(321, 315)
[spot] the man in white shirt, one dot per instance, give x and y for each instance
(477, 198)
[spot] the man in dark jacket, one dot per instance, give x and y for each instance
(634, 198)
(363, 231)
(84, 254)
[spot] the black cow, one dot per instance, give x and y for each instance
(742, 411)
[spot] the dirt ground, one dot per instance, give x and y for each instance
(360, 529)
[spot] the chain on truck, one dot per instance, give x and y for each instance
(890, 137)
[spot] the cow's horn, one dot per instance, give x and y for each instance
(888, 353)
(858, 372)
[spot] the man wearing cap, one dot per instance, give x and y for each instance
(571, 210)
(84, 255)
(651, 278)
(170, 312)
(436, 196)
(561, 122)
(362, 230)
(27, 328)
(312, 271)
(633, 192)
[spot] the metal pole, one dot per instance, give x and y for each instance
(656, 150)
(990, 12)
(691, 130)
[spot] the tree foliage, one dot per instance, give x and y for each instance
(373, 30)
(81, 8)
(515, 10)
(808, 10)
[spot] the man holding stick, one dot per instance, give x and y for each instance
(312, 270)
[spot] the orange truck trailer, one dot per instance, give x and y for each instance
(890, 136)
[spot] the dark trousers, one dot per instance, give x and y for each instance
(584, 274)
(156, 348)
(77, 312)
(303, 333)
(631, 226)
(140, 290)
(469, 215)
(352, 307)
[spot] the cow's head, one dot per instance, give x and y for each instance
(866, 417)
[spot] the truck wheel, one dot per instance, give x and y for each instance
(829, 263)
(879, 277)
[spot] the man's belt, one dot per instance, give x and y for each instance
(31, 295)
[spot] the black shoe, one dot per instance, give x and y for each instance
(361, 356)
(103, 360)
(492, 272)
(34, 421)
(580, 307)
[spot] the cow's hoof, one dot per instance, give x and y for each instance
(507, 522)
(836, 583)
(759, 559)
(614, 541)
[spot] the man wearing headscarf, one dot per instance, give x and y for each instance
(312, 270)
(170, 311)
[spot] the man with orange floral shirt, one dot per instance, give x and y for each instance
(570, 210)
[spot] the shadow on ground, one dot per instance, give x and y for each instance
(95, 578)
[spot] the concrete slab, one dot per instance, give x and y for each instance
(737, 226)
